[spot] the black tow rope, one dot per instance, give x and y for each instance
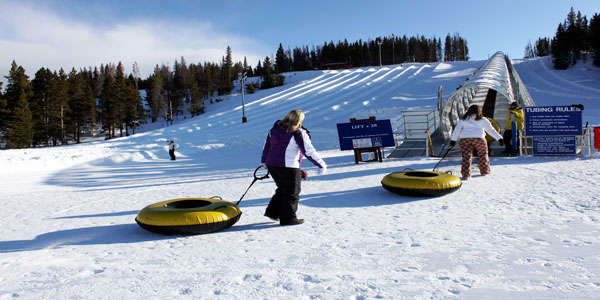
(256, 178)
(442, 158)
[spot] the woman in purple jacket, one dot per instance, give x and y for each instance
(287, 143)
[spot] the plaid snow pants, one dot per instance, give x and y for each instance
(466, 147)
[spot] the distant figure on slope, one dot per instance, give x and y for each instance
(287, 143)
(471, 129)
(172, 146)
(515, 113)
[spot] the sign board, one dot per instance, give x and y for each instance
(368, 134)
(554, 146)
(553, 120)
(553, 129)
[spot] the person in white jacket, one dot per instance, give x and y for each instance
(172, 146)
(471, 129)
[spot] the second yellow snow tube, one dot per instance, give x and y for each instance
(421, 183)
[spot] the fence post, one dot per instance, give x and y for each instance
(514, 138)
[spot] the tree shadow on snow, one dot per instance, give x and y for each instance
(106, 235)
(364, 197)
(98, 235)
(254, 226)
(114, 214)
(103, 175)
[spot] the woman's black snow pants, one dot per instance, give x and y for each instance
(284, 203)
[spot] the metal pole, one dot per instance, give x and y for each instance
(244, 120)
(515, 132)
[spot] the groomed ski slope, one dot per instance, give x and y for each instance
(527, 231)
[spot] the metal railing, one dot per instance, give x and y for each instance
(413, 124)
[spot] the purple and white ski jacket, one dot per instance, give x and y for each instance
(284, 149)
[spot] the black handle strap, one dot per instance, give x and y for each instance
(256, 178)
(442, 158)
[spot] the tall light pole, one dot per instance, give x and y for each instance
(379, 42)
(242, 77)
(393, 42)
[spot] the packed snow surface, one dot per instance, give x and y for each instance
(530, 230)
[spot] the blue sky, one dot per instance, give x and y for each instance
(80, 33)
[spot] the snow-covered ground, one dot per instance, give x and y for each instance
(530, 230)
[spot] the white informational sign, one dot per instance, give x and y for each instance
(362, 143)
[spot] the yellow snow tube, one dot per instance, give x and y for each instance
(421, 183)
(188, 216)
(496, 126)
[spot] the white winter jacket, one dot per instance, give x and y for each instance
(471, 128)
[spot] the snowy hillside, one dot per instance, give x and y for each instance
(527, 231)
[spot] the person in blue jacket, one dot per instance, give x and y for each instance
(287, 144)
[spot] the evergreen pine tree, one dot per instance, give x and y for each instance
(58, 108)
(226, 78)
(181, 86)
(542, 47)
(132, 103)
(268, 80)
(209, 87)
(258, 71)
(19, 125)
(448, 49)
(81, 104)
(2, 103)
(424, 50)
(594, 37)
(461, 49)
(3, 113)
(413, 49)
(560, 52)
(108, 106)
(248, 69)
(439, 50)
(97, 81)
(40, 106)
(280, 60)
(17, 83)
(197, 100)
(16, 124)
(120, 102)
(155, 96)
(167, 77)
